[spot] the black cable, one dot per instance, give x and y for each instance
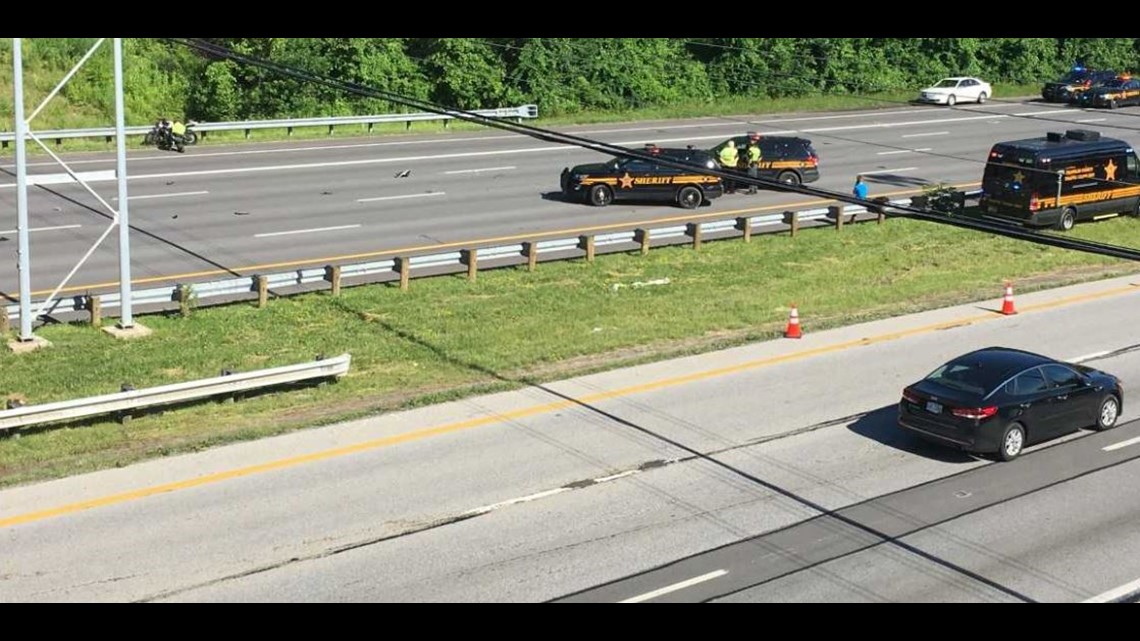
(1009, 231)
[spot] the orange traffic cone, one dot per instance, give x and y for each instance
(793, 330)
(1007, 302)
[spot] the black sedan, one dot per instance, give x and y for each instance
(997, 400)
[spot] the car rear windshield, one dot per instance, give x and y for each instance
(967, 376)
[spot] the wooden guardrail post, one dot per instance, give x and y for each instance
(587, 243)
(470, 257)
(744, 224)
(404, 267)
(880, 203)
(693, 230)
(642, 236)
(531, 249)
(792, 219)
(836, 211)
(5, 324)
(183, 293)
(95, 306)
(262, 283)
(332, 275)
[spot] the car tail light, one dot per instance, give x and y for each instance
(813, 160)
(976, 413)
(911, 396)
(1034, 204)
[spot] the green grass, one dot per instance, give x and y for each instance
(61, 116)
(446, 337)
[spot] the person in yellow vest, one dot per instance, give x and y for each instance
(178, 133)
(728, 160)
(753, 162)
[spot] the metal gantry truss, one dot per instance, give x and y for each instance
(119, 217)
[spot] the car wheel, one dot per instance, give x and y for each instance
(1109, 413)
(789, 178)
(1012, 442)
(1136, 210)
(1067, 220)
(1112, 104)
(690, 197)
(982, 98)
(951, 100)
(600, 195)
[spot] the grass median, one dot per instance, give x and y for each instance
(447, 337)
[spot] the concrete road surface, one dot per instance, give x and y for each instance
(767, 472)
(242, 209)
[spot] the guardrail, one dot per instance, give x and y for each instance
(167, 394)
(391, 266)
(108, 133)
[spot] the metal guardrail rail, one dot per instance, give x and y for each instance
(167, 394)
(453, 261)
(523, 111)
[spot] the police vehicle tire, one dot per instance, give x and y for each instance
(1067, 220)
(690, 197)
(982, 98)
(600, 195)
(789, 178)
(951, 100)
(1112, 104)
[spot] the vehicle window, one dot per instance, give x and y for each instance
(1025, 383)
(949, 82)
(1061, 376)
(1133, 165)
(969, 83)
(958, 376)
(638, 165)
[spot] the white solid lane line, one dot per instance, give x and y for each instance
(903, 151)
(16, 231)
(370, 200)
(887, 171)
(174, 195)
(521, 499)
(676, 586)
(304, 231)
(1089, 357)
(1122, 444)
(475, 171)
(1092, 120)
(1115, 593)
(929, 133)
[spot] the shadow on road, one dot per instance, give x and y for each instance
(881, 425)
(898, 180)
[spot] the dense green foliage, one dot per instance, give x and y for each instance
(561, 75)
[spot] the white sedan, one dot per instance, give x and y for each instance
(950, 91)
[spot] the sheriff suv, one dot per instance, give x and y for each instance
(1076, 82)
(636, 179)
(787, 159)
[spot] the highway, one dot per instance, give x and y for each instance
(768, 472)
(242, 209)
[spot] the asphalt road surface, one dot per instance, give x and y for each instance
(216, 211)
(769, 472)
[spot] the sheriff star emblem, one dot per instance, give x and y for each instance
(1110, 170)
(1018, 177)
(626, 181)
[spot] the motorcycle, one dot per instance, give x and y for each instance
(160, 138)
